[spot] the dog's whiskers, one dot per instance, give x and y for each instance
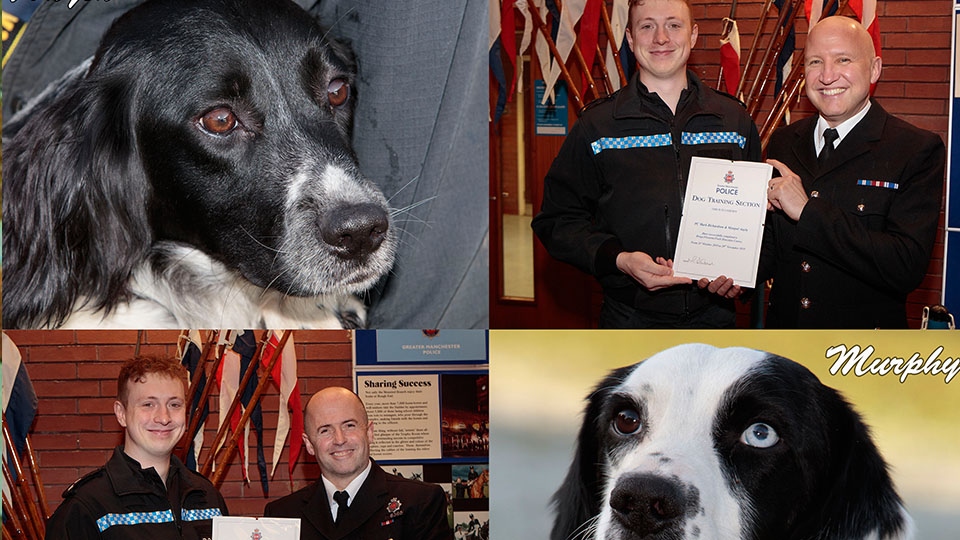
(261, 244)
(403, 187)
(335, 23)
(586, 531)
(406, 209)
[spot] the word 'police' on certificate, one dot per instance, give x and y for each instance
(722, 225)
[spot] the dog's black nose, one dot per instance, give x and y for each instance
(649, 504)
(355, 230)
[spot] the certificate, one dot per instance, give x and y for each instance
(723, 215)
(244, 528)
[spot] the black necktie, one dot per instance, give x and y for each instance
(341, 498)
(829, 136)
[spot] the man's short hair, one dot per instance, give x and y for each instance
(634, 3)
(134, 370)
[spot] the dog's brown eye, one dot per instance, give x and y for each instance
(627, 422)
(337, 92)
(219, 121)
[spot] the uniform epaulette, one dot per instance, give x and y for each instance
(726, 95)
(96, 473)
(597, 101)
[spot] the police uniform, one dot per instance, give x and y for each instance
(864, 238)
(122, 501)
(618, 184)
(386, 506)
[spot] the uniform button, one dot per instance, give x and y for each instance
(860, 207)
(805, 303)
(805, 266)
(814, 194)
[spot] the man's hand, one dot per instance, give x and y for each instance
(786, 193)
(652, 274)
(722, 286)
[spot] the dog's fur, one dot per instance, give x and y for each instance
(122, 207)
(683, 469)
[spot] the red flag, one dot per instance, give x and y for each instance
(290, 417)
(730, 57)
(508, 39)
(589, 34)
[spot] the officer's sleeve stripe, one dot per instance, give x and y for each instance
(200, 515)
(621, 143)
(713, 137)
(165, 516)
(134, 518)
(664, 139)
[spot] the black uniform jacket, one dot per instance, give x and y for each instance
(386, 506)
(122, 501)
(863, 241)
(619, 180)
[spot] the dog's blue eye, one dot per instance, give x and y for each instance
(219, 121)
(627, 422)
(759, 435)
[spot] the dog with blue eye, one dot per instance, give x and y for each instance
(707, 443)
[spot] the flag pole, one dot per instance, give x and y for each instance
(753, 46)
(582, 62)
(564, 72)
(13, 522)
(776, 46)
(790, 91)
(605, 17)
(28, 508)
(217, 478)
(184, 444)
(225, 426)
(37, 481)
(724, 33)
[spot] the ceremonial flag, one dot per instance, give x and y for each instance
(565, 41)
(228, 380)
(496, 62)
(618, 23)
(246, 346)
(730, 56)
(589, 34)
(525, 38)
(785, 60)
(290, 417)
(19, 398)
(190, 358)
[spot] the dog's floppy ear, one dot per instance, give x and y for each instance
(578, 498)
(855, 497)
(73, 204)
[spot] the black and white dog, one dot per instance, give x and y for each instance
(197, 172)
(722, 444)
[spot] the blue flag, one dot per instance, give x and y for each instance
(19, 397)
(246, 346)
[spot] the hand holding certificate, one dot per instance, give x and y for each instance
(723, 215)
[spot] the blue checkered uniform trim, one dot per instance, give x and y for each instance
(134, 518)
(164, 516)
(200, 515)
(664, 139)
(715, 137)
(621, 143)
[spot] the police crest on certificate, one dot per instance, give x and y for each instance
(723, 216)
